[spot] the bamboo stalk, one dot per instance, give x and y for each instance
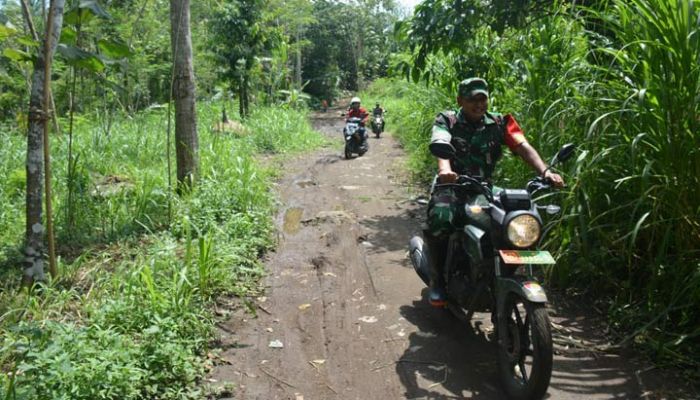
(47, 157)
(30, 24)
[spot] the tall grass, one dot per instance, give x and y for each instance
(642, 188)
(130, 316)
(627, 93)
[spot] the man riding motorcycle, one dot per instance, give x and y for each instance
(476, 136)
(355, 111)
(378, 111)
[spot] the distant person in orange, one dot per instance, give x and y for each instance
(324, 105)
(357, 111)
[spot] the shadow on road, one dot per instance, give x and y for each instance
(449, 359)
(446, 358)
(392, 232)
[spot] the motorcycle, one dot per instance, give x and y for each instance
(354, 138)
(489, 267)
(378, 125)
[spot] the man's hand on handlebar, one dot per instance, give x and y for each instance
(555, 179)
(447, 176)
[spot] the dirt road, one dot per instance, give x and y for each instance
(344, 315)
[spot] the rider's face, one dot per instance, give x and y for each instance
(475, 107)
(355, 106)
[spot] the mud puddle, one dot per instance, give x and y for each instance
(292, 220)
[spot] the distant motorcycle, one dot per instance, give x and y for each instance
(489, 267)
(355, 141)
(378, 125)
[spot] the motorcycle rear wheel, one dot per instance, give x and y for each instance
(525, 351)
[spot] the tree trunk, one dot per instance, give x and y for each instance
(298, 59)
(246, 95)
(241, 103)
(186, 141)
(34, 232)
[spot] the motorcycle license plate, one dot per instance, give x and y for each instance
(526, 257)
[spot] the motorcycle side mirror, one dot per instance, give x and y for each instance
(564, 153)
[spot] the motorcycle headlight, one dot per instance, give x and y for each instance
(523, 231)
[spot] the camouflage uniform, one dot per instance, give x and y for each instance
(473, 148)
(478, 148)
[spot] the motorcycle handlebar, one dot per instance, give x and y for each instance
(539, 183)
(464, 181)
(533, 186)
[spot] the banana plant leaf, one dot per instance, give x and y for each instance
(80, 58)
(84, 12)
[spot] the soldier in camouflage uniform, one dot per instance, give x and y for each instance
(468, 142)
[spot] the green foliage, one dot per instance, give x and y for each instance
(130, 316)
(627, 93)
(281, 130)
(350, 45)
(239, 38)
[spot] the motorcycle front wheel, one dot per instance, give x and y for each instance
(525, 348)
(348, 152)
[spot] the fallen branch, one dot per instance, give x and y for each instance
(276, 378)
(264, 310)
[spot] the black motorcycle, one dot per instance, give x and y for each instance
(377, 125)
(489, 268)
(355, 140)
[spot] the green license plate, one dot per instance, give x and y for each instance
(526, 257)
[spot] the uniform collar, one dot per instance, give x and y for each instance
(485, 120)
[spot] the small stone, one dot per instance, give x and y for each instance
(276, 344)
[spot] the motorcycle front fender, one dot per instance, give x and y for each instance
(521, 286)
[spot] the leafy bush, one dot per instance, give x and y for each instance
(131, 319)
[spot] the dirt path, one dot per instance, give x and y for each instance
(349, 312)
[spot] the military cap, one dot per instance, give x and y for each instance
(470, 87)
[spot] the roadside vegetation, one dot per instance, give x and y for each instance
(131, 315)
(619, 79)
(168, 123)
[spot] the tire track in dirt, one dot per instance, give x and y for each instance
(350, 312)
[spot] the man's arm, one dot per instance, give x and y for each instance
(365, 115)
(445, 173)
(533, 159)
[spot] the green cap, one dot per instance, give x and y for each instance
(470, 87)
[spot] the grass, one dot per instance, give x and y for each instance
(623, 83)
(130, 315)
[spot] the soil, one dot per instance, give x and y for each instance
(344, 315)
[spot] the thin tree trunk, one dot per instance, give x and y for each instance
(183, 92)
(298, 58)
(34, 233)
(32, 30)
(241, 103)
(246, 96)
